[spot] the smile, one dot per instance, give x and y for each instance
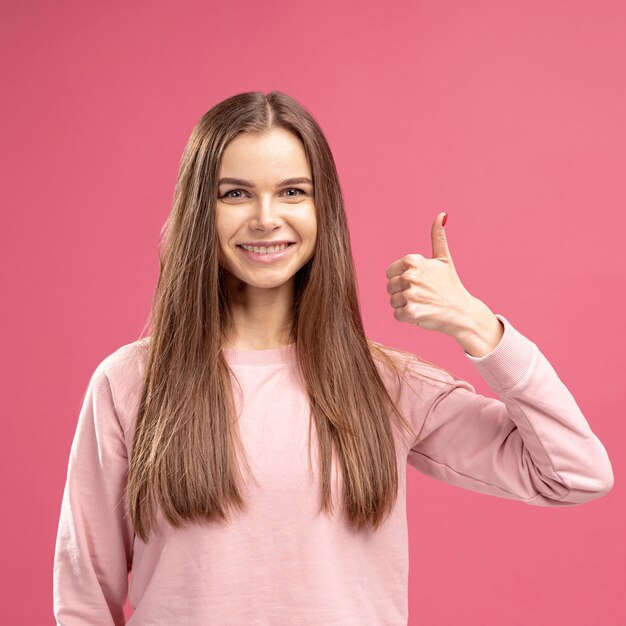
(267, 257)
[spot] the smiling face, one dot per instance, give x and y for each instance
(263, 206)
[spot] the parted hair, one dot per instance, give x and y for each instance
(187, 454)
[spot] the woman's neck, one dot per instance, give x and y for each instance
(261, 318)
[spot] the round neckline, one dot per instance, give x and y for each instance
(268, 356)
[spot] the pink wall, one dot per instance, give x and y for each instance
(507, 115)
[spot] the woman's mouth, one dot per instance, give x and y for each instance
(257, 254)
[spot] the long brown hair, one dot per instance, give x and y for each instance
(184, 451)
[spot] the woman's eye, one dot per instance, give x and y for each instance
(295, 189)
(231, 191)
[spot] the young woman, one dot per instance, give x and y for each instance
(246, 461)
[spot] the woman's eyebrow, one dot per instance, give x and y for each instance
(302, 180)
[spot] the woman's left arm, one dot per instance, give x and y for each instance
(534, 444)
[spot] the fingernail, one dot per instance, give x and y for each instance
(445, 217)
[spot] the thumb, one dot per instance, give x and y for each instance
(439, 240)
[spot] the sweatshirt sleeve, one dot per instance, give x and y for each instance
(533, 444)
(93, 552)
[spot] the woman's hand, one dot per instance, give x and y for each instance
(428, 293)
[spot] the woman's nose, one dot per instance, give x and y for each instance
(266, 210)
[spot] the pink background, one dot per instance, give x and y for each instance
(508, 115)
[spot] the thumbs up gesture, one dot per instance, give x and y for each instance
(428, 293)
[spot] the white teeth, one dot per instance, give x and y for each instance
(264, 250)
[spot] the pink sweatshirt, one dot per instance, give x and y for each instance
(281, 563)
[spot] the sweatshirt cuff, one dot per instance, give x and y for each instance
(509, 363)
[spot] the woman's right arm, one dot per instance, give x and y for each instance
(93, 553)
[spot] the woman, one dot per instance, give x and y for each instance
(257, 357)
